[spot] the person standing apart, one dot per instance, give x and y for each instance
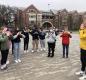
(65, 42)
(82, 50)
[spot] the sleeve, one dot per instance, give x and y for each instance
(82, 34)
(54, 37)
(31, 32)
(3, 38)
(61, 35)
(23, 36)
(45, 33)
(70, 36)
(15, 36)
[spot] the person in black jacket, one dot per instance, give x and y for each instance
(35, 38)
(26, 39)
(42, 35)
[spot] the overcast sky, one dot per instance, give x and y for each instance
(79, 5)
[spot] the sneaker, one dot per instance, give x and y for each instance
(3, 67)
(63, 57)
(7, 62)
(80, 73)
(37, 50)
(83, 77)
(19, 60)
(25, 51)
(32, 51)
(16, 61)
(66, 56)
(44, 49)
(41, 49)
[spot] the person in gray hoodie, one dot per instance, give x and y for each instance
(51, 43)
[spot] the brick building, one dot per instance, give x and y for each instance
(59, 19)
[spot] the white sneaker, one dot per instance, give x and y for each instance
(7, 62)
(80, 73)
(16, 61)
(83, 77)
(37, 50)
(44, 49)
(25, 51)
(3, 66)
(32, 51)
(19, 60)
(41, 49)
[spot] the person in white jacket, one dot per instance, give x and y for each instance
(51, 43)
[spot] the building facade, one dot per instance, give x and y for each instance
(59, 19)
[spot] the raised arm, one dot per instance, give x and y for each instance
(82, 33)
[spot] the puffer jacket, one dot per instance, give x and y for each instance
(83, 39)
(4, 42)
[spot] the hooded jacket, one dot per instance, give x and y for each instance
(83, 39)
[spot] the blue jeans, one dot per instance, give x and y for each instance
(42, 43)
(65, 50)
(16, 51)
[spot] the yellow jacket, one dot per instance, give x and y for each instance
(83, 39)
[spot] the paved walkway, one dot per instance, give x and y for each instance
(36, 66)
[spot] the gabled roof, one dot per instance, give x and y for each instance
(32, 7)
(54, 11)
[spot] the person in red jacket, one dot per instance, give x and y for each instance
(65, 42)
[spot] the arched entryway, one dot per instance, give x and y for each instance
(47, 25)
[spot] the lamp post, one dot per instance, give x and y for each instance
(49, 7)
(12, 18)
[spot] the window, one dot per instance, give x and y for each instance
(32, 10)
(32, 16)
(32, 22)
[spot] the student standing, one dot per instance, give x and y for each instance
(4, 40)
(51, 43)
(35, 39)
(42, 35)
(26, 39)
(65, 42)
(16, 47)
(83, 50)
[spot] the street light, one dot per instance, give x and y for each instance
(12, 17)
(49, 7)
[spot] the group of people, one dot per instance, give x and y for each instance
(13, 38)
(8, 38)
